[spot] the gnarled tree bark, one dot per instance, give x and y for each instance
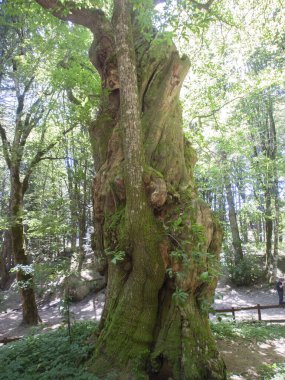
(156, 241)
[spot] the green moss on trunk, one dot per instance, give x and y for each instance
(146, 206)
(24, 280)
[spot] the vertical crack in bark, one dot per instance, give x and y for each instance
(154, 73)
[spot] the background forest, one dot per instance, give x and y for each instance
(233, 104)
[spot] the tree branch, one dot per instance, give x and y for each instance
(201, 6)
(39, 156)
(198, 5)
(28, 85)
(30, 124)
(212, 113)
(72, 98)
(6, 146)
(69, 12)
(102, 49)
(54, 158)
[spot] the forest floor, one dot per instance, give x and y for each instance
(243, 356)
(240, 356)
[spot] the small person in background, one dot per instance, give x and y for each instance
(280, 290)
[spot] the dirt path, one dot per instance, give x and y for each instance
(247, 358)
(239, 356)
(10, 313)
(227, 297)
(91, 307)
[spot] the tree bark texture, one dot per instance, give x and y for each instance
(156, 242)
(233, 221)
(271, 195)
(6, 260)
(25, 280)
(236, 240)
(13, 154)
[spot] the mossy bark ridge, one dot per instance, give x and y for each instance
(155, 241)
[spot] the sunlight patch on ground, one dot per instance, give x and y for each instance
(278, 346)
(246, 358)
(52, 327)
(226, 297)
(52, 303)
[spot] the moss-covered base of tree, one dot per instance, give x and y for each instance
(185, 347)
(145, 333)
(28, 300)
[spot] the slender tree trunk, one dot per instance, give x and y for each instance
(276, 227)
(72, 203)
(268, 230)
(233, 221)
(6, 260)
(244, 225)
(6, 255)
(82, 235)
(4, 272)
(82, 205)
(24, 276)
(271, 193)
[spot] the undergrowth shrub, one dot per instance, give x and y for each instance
(247, 271)
(252, 333)
(49, 275)
(49, 356)
(275, 371)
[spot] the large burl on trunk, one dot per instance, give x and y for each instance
(156, 242)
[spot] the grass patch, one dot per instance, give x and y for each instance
(273, 372)
(257, 332)
(252, 333)
(50, 356)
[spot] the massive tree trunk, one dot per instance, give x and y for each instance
(156, 242)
